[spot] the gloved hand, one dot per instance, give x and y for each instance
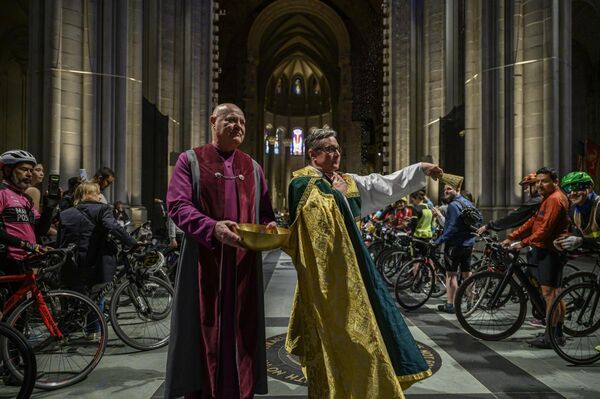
(569, 243)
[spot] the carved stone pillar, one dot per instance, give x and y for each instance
(473, 79)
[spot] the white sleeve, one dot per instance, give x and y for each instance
(377, 191)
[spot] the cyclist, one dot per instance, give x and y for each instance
(549, 222)
(422, 217)
(579, 187)
(20, 221)
(520, 215)
(459, 239)
(401, 215)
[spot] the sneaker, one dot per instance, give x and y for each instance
(92, 336)
(537, 323)
(540, 343)
(446, 308)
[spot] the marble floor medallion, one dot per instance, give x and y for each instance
(285, 367)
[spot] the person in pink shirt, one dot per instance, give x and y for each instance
(20, 221)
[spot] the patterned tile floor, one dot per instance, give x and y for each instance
(465, 368)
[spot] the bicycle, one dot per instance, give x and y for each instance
(140, 304)
(420, 278)
(581, 325)
(57, 324)
(18, 351)
(492, 305)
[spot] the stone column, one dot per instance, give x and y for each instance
(89, 85)
(473, 79)
(271, 173)
(134, 101)
(518, 152)
(546, 84)
(52, 84)
(434, 99)
(399, 106)
(251, 108)
(286, 171)
(535, 15)
(119, 147)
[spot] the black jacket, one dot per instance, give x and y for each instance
(88, 225)
(517, 217)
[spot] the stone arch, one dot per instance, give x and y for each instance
(321, 19)
(311, 7)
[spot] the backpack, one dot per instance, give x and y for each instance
(470, 215)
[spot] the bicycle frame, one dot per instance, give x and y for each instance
(595, 296)
(514, 271)
(29, 286)
(131, 275)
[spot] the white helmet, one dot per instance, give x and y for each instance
(14, 157)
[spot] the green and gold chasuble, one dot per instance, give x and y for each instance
(351, 339)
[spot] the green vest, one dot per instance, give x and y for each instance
(424, 229)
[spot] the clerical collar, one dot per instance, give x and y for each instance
(329, 177)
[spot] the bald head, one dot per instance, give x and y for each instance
(226, 107)
(228, 126)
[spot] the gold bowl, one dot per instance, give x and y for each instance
(257, 238)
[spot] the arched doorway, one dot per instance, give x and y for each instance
(297, 100)
(298, 56)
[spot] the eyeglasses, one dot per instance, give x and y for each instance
(330, 149)
(575, 187)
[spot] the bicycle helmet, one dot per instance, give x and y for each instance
(14, 157)
(577, 178)
(528, 179)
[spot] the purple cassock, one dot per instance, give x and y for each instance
(217, 343)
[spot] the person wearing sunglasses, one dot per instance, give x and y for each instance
(579, 188)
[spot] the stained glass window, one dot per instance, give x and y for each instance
(297, 86)
(297, 147)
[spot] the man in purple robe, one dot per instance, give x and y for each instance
(217, 344)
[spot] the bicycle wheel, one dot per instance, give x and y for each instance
(389, 264)
(439, 288)
(495, 313)
(414, 284)
(17, 352)
(62, 361)
(477, 292)
(375, 248)
(140, 312)
(569, 269)
(578, 278)
(581, 329)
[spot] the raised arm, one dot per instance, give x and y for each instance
(376, 191)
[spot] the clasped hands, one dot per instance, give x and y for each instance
(226, 232)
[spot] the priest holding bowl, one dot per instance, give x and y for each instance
(217, 192)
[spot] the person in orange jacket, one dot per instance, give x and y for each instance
(549, 223)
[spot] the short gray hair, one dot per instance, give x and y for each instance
(317, 135)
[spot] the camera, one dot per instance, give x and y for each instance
(54, 186)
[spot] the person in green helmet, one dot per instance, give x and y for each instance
(579, 188)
